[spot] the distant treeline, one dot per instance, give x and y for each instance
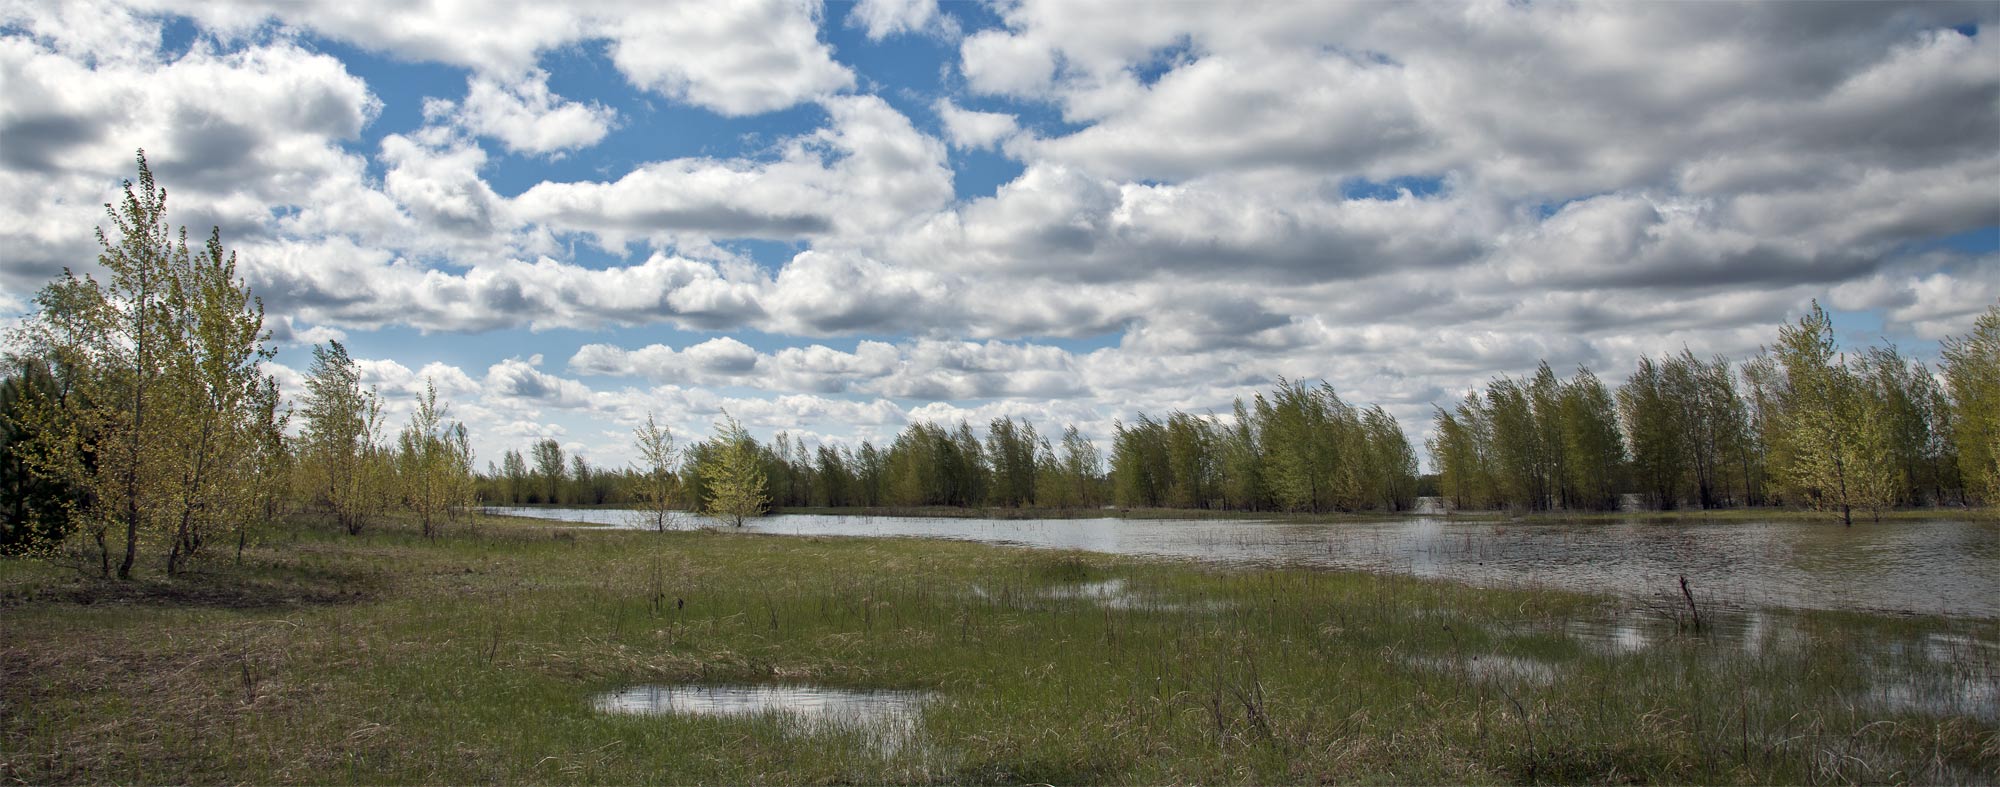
(1799, 424)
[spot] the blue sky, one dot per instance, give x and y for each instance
(837, 219)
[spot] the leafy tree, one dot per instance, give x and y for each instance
(736, 489)
(1593, 449)
(341, 424)
(1971, 366)
(1839, 435)
(34, 516)
(160, 367)
(514, 476)
(549, 469)
(658, 486)
(432, 461)
(1013, 450)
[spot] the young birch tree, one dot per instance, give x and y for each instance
(658, 485)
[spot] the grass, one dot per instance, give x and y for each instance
(388, 659)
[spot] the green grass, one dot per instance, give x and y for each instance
(387, 659)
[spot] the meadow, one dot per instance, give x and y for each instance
(389, 658)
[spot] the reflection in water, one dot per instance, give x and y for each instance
(889, 718)
(1931, 567)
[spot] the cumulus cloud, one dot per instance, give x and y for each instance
(884, 18)
(973, 129)
(527, 118)
(868, 171)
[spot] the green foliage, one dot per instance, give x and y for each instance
(1839, 436)
(434, 463)
(1971, 366)
(656, 483)
(163, 404)
(34, 517)
(735, 478)
(341, 438)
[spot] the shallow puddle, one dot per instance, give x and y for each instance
(887, 718)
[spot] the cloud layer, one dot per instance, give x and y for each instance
(1189, 199)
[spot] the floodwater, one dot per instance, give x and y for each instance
(1942, 566)
(888, 718)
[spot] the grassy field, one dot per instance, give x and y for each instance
(388, 659)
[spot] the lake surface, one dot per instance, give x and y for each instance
(1939, 566)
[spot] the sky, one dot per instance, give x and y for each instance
(837, 219)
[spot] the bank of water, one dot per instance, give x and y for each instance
(1933, 567)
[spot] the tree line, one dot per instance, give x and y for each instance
(1801, 423)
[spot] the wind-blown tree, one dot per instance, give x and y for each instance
(1593, 449)
(1241, 464)
(340, 435)
(549, 470)
(1299, 425)
(1971, 366)
(1917, 417)
(160, 364)
(735, 477)
(871, 475)
(1462, 453)
(1391, 464)
(657, 484)
(1841, 459)
(1139, 466)
(1070, 478)
(1013, 451)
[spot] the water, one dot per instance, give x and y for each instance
(1944, 567)
(887, 718)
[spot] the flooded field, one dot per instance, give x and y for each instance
(1943, 567)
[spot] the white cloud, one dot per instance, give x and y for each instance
(972, 129)
(997, 63)
(527, 118)
(884, 18)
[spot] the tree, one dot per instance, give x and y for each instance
(514, 475)
(658, 487)
(549, 468)
(1839, 437)
(736, 479)
(342, 422)
(34, 516)
(430, 463)
(1971, 366)
(159, 369)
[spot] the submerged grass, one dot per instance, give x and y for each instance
(386, 658)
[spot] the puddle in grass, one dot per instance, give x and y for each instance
(887, 718)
